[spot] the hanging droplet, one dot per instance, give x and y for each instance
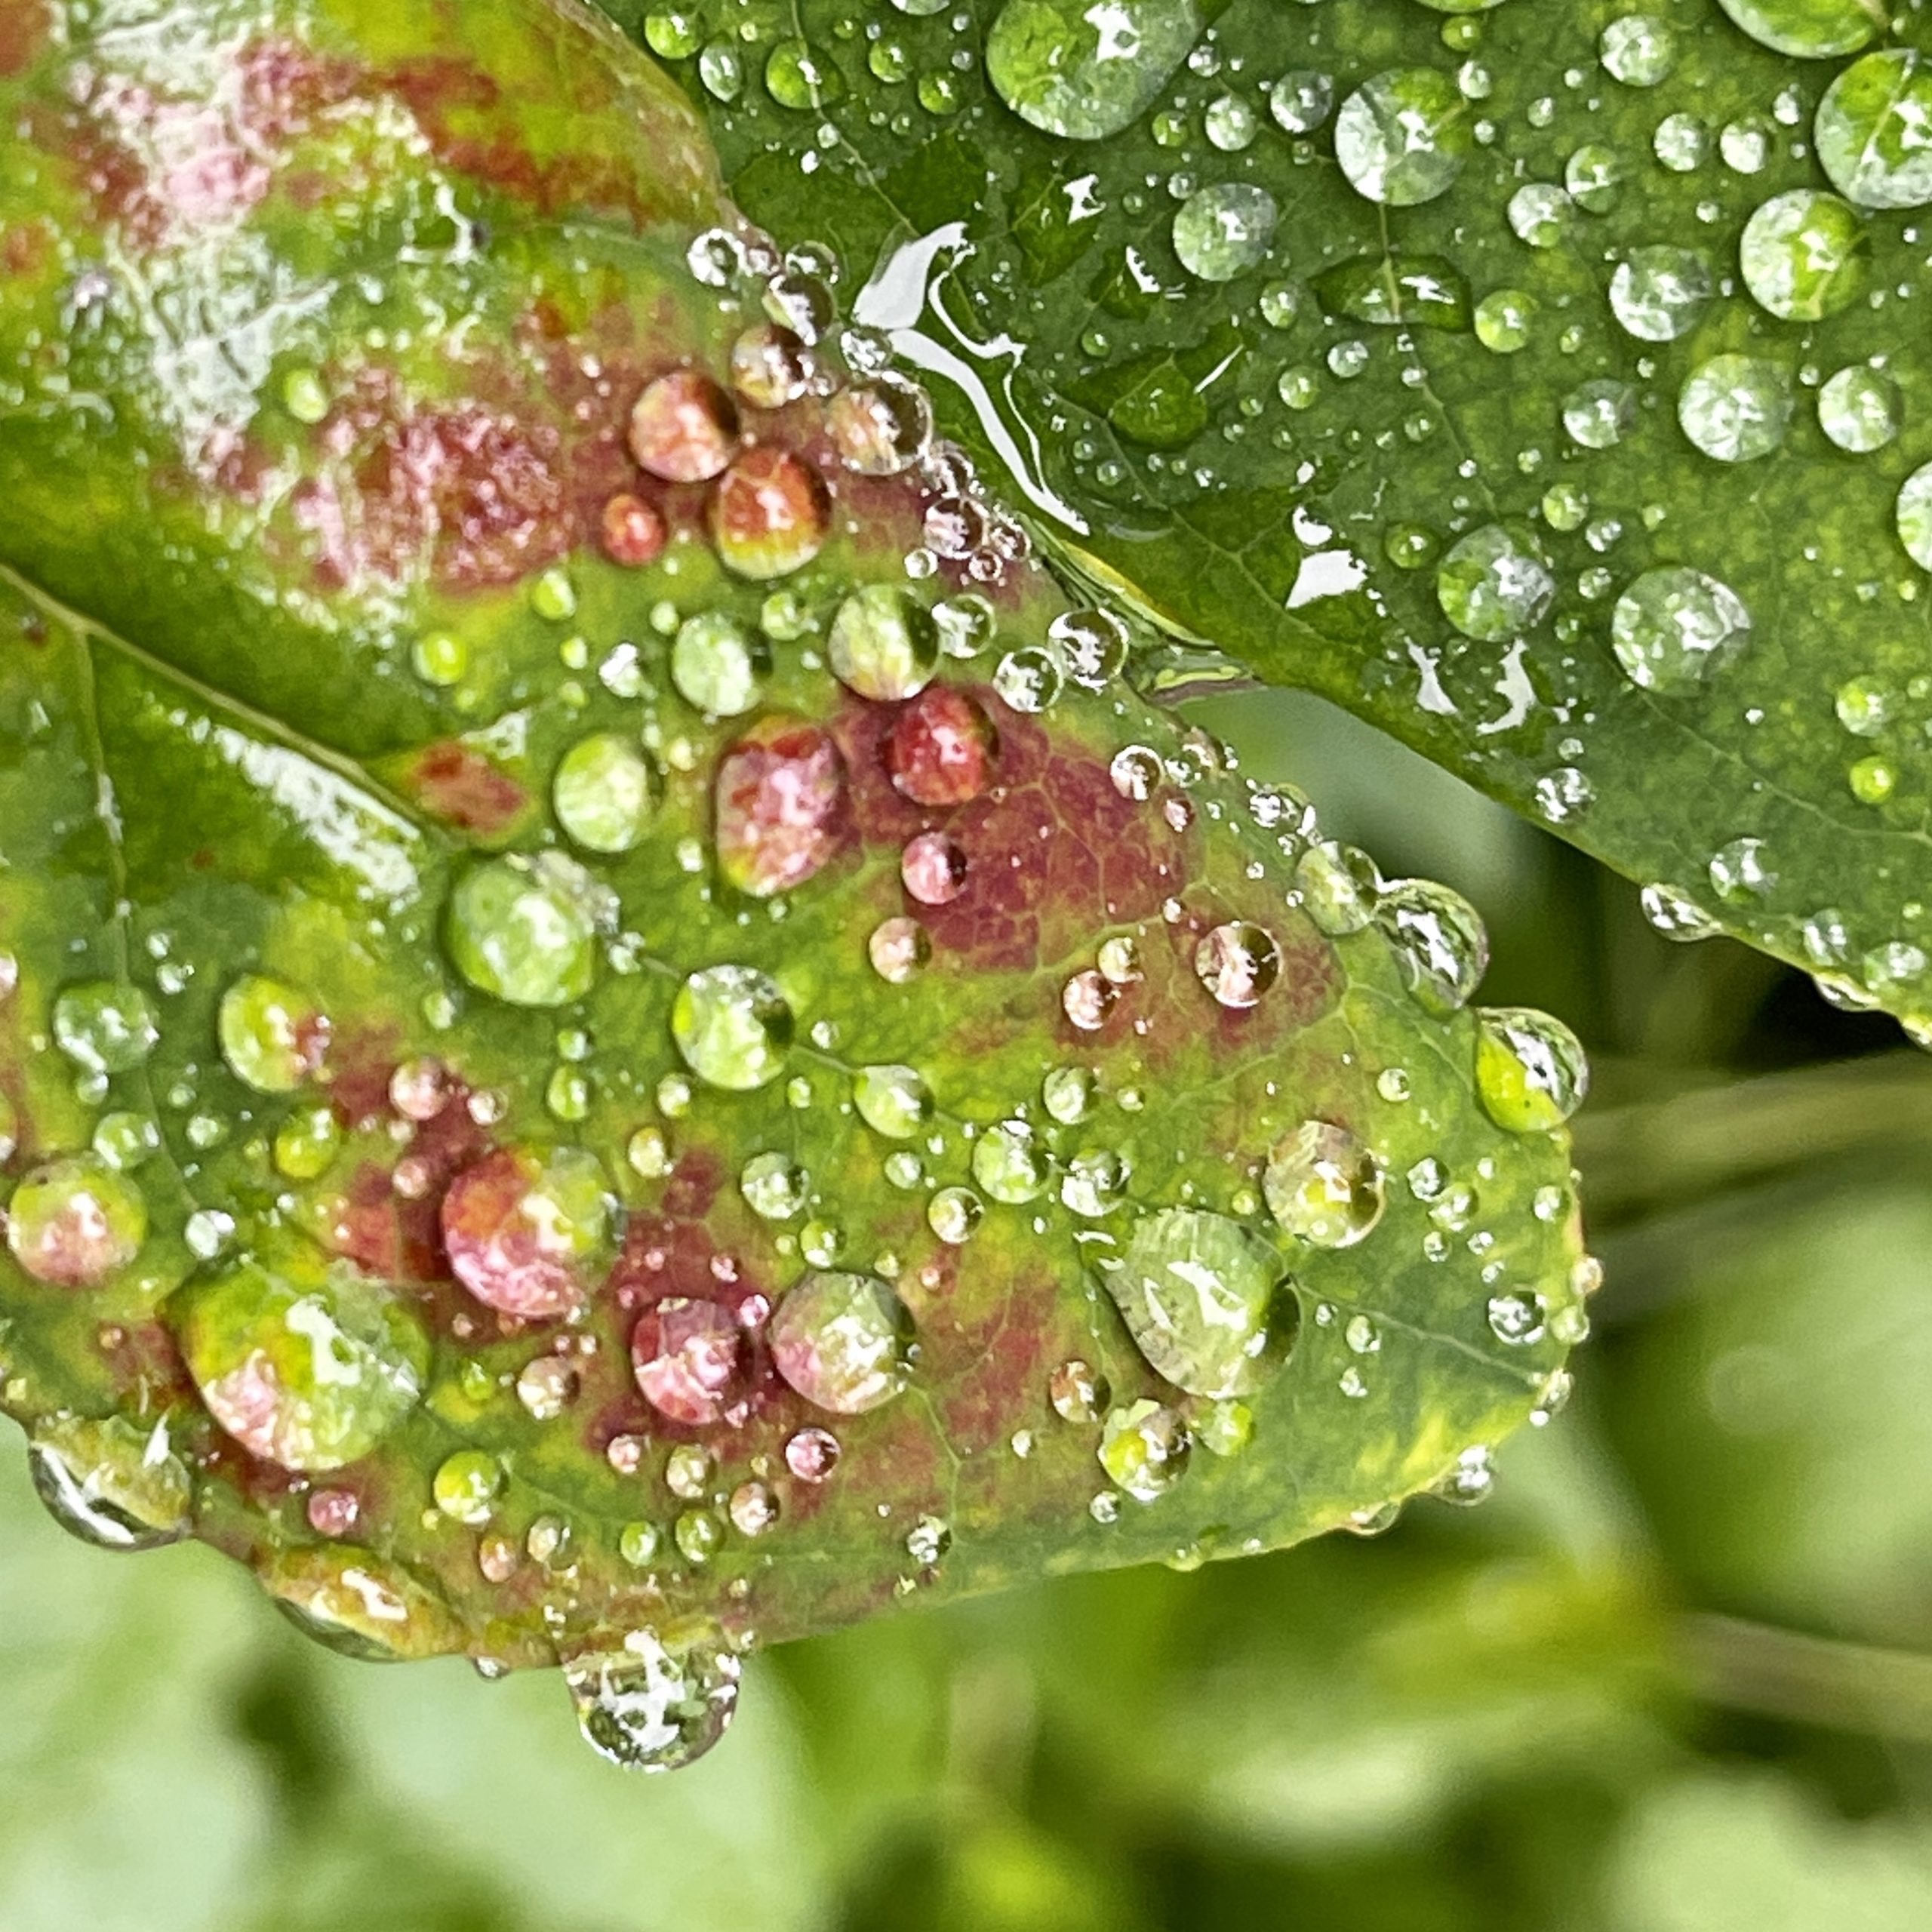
(1532, 1072)
(654, 1706)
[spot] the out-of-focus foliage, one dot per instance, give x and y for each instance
(1668, 1679)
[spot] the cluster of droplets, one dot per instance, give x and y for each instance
(1404, 137)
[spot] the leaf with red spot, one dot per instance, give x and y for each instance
(619, 1032)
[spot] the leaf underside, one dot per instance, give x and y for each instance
(509, 1066)
(1419, 435)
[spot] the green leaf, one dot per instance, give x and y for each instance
(567, 973)
(1544, 382)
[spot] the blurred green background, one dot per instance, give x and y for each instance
(1676, 1676)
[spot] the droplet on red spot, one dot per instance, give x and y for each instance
(770, 366)
(333, 1512)
(683, 427)
(941, 748)
(689, 1360)
(634, 532)
(1087, 999)
(881, 428)
(812, 1454)
(528, 1234)
(769, 515)
(933, 868)
(780, 794)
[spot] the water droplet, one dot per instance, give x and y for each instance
(1639, 50)
(1223, 230)
(1531, 1071)
(881, 428)
(1914, 515)
(1302, 100)
(1339, 887)
(779, 798)
(1812, 29)
(546, 1386)
(954, 1214)
(273, 1035)
(1237, 963)
(812, 1454)
(688, 1357)
(1658, 293)
(75, 1223)
(884, 644)
(1078, 1393)
(1518, 1319)
(1323, 1186)
(1742, 871)
(1676, 914)
(1495, 583)
(774, 1185)
(1009, 1163)
(652, 1707)
(633, 533)
(1871, 130)
(942, 749)
(111, 1484)
(466, 1485)
(898, 949)
(683, 427)
(1860, 409)
(769, 514)
(1736, 408)
(1439, 943)
(843, 1341)
(732, 1027)
(933, 868)
(1086, 72)
(305, 1363)
(528, 1233)
(525, 930)
(1402, 137)
(1207, 1303)
(1030, 680)
(1672, 629)
(1804, 255)
(104, 1028)
(1599, 414)
(603, 793)
(892, 1100)
(1144, 1449)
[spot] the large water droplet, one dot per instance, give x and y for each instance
(75, 1223)
(1144, 1449)
(656, 1706)
(1323, 1186)
(1674, 628)
(305, 1363)
(1530, 1070)
(1812, 29)
(1871, 130)
(1402, 137)
(1223, 230)
(1439, 943)
(941, 748)
(111, 1484)
(844, 1341)
(769, 515)
(780, 794)
(884, 644)
(525, 930)
(105, 1027)
(1860, 409)
(688, 1357)
(1658, 293)
(1237, 963)
(1208, 1303)
(1085, 71)
(1495, 583)
(683, 427)
(273, 1035)
(1803, 255)
(732, 1027)
(528, 1233)
(1736, 408)
(1010, 1164)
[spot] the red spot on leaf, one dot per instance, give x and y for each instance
(460, 785)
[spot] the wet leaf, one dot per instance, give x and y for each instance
(1543, 382)
(616, 1019)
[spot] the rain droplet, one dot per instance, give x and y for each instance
(1237, 963)
(1804, 255)
(1401, 138)
(1736, 408)
(1495, 583)
(527, 1233)
(1323, 1186)
(651, 1707)
(732, 1027)
(1439, 943)
(884, 644)
(1871, 130)
(1531, 1071)
(1223, 231)
(1144, 1449)
(1673, 629)
(1207, 1303)
(525, 930)
(688, 1358)
(1658, 293)
(1860, 409)
(75, 1223)
(1086, 72)
(843, 1341)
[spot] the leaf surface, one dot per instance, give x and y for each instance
(1544, 382)
(603, 1057)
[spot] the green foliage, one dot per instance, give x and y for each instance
(566, 973)
(1542, 381)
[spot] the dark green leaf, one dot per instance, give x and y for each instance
(1544, 381)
